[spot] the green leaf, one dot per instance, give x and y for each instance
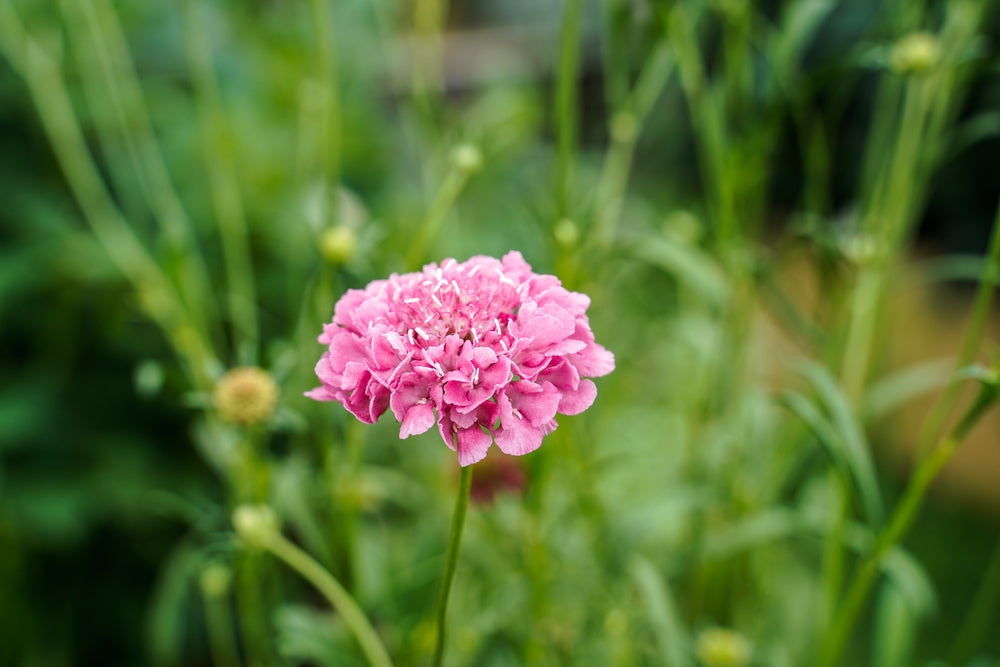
(907, 384)
(671, 636)
(849, 444)
(172, 603)
(694, 269)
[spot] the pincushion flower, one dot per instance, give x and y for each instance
(487, 349)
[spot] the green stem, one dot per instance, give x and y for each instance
(565, 104)
(329, 126)
(331, 589)
(224, 184)
(973, 336)
(902, 518)
(156, 294)
(979, 617)
(116, 86)
(708, 121)
(451, 560)
(219, 623)
(431, 224)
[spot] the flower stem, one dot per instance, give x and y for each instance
(902, 518)
(451, 560)
(331, 589)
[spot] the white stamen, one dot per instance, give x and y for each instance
(474, 270)
(496, 321)
(437, 302)
(517, 413)
(412, 299)
(422, 333)
(438, 368)
(409, 336)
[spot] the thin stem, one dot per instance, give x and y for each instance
(979, 617)
(223, 181)
(902, 518)
(329, 126)
(117, 87)
(451, 560)
(565, 104)
(973, 336)
(156, 294)
(219, 623)
(331, 589)
(431, 224)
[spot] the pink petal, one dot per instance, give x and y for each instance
(418, 419)
(473, 443)
(573, 402)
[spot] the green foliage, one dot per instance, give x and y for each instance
(190, 186)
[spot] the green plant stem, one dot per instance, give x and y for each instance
(445, 198)
(708, 121)
(626, 127)
(979, 616)
(219, 623)
(225, 189)
(902, 518)
(970, 343)
(567, 85)
(156, 294)
(329, 126)
(111, 81)
(451, 560)
(331, 589)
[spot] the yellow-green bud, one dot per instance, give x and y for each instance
(215, 580)
(255, 524)
(567, 233)
(917, 52)
(719, 647)
(245, 395)
(467, 157)
(682, 226)
(338, 244)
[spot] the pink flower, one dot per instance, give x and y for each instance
(487, 349)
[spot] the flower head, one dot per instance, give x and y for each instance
(486, 349)
(246, 395)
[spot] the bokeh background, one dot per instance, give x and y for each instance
(719, 176)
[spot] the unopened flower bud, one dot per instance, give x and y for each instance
(467, 157)
(338, 244)
(215, 580)
(917, 52)
(246, 395)
(719, 647)
(567, 233)
(255, 524)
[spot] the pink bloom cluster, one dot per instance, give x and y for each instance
(492, 348)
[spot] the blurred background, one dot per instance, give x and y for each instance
(780, 210)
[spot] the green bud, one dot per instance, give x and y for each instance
(215, 580)
(255, 524)
(567, 233)
(719, 647)
(917, 52)
(338, 244)
(467, 158)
